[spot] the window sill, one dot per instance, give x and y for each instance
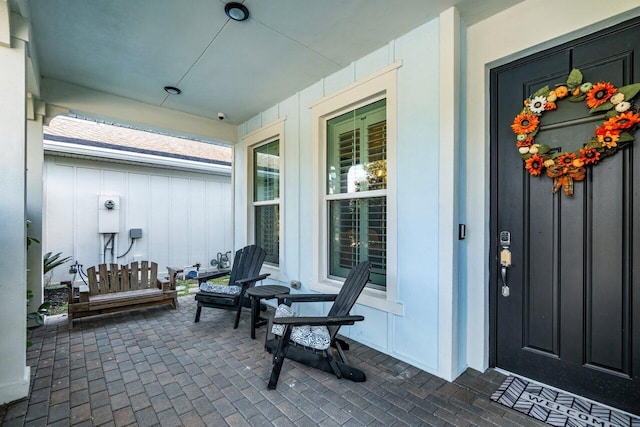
(369, 297)
(274, 273)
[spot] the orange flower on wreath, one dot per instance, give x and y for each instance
(549, 106)
(566, 159)
(589, 155)
(525, 123)
(534, 165)
(561, 91)
(608, 137)
(599, 94)
(622, 121)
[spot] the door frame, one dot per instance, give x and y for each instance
(481, 53)
(588, 33)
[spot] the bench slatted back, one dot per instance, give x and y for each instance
(134, 275)
(123, 278)
(114, 278)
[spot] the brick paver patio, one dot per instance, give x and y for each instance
(157, 367)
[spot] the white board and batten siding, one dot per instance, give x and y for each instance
(185, 216)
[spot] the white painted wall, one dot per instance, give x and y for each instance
(413, 336)
(442, 282)
(185, 216)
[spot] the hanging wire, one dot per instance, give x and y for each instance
(104, 250)
(128, 250)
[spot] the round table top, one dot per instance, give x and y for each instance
(266, 291)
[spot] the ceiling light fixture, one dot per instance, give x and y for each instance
(236, 11)
(172, 90)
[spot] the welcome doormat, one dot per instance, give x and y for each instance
(557, 408)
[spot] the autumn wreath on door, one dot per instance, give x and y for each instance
(616, 131)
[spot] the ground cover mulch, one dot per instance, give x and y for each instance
(57, 296)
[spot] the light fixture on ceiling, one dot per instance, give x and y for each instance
(236, 11)
(172, 90)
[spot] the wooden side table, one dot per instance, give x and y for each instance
(262, 292)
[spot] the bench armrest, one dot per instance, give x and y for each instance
(83, 293)
(165, 285)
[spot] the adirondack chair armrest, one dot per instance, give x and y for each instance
(249, 280)
(212, 275)
(288, 299)
(318, 321)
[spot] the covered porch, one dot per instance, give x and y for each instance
(433, 76)
(157, 367)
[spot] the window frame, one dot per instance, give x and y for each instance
(258, 138)
(382, 84)
(367, 195)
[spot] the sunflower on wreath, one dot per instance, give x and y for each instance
(615, 133)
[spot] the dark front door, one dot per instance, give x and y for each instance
(572, 316)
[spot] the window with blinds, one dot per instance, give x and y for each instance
(356, 194)
(266, 199)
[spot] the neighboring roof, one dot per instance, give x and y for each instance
(110, 137)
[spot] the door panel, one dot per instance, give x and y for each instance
(569, 320)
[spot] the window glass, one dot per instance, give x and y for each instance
(358, 231)
(266, 167)
(266, 194)
(357, 165)
(267, 228)
(357, 150)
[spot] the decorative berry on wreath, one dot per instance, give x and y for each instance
(615, 133)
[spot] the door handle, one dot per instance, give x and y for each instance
(505, 260)
(505, 286)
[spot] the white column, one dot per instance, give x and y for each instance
(14, 374)
(448, 331)
(35, 165)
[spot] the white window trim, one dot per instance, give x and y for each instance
(265, 135)
(382, 84)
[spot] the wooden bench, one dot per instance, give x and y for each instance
(120, 288)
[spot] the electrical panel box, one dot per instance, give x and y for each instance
(135, 233)
(108, 214)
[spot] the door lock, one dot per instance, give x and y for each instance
(505, 257)
(505, 239)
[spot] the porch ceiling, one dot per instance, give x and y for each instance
(133, 48)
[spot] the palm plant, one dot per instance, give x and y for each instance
(51, 261)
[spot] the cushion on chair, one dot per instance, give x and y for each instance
(317, 337)
(220, 289)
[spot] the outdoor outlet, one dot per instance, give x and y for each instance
(135, 233)
(295, 284)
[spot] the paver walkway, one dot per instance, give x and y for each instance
(157, 367)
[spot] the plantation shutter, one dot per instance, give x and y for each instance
(358, 225)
